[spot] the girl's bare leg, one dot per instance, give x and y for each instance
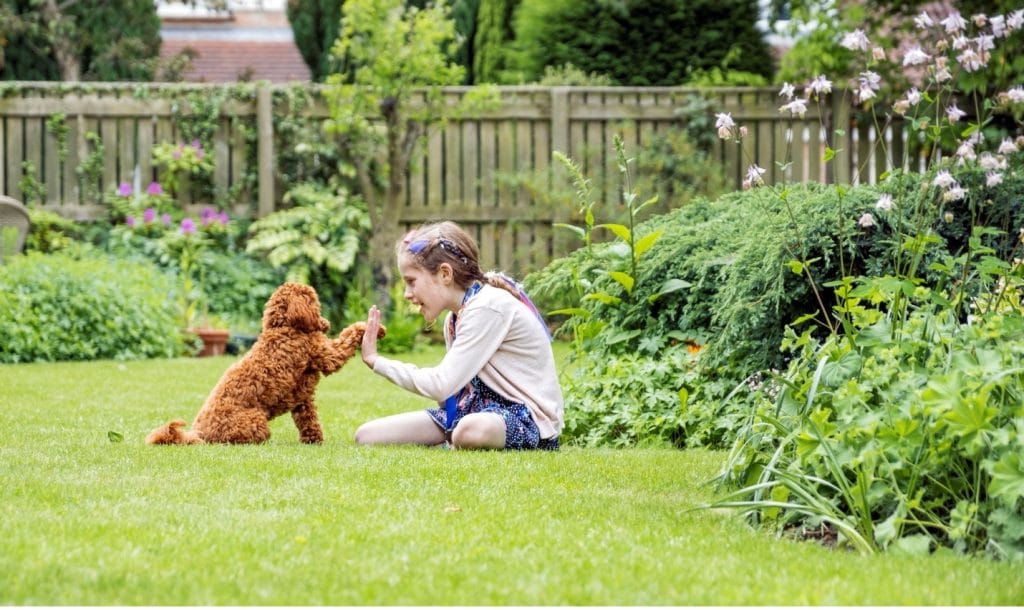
(412, 428)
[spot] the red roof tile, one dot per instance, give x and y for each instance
(219, 61)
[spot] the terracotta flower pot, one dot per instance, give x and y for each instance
(214, 340)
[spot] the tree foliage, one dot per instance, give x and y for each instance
(71, 40)
(315, 24)
(393, 62)
(655, 42)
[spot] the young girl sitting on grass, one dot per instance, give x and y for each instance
(497, 386)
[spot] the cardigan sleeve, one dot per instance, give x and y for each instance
(479, 333)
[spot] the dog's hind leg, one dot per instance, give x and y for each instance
(308, 423)
(248, 426)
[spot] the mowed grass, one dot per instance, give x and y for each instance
(88, 521)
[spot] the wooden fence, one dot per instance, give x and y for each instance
(454, 175)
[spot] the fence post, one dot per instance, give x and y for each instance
(265, 151)
(842, 144)
(560, 119)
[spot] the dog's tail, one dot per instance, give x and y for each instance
(172, 434)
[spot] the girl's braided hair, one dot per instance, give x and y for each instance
(430, 245)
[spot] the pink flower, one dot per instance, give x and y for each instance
(149, 215)
(129, 220)
(124, 189)
(166, 219)
(155, 189)
(188, 226)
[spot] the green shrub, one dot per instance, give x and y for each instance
(735, 253)
(85, 306)
(660, 42)
(894, 436)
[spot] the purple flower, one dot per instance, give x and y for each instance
(155, 189)
(129, 220)
(177, 153)
(200, 154)
(207, 215)
(149, 215)
(188, 226)
(223, 218)
(124, 189)
(166, 219)
(196, 144)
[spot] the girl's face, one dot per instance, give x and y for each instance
(431, 292)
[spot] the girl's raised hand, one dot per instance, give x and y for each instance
(369, 347)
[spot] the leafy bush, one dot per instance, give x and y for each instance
(906, 437)
(78, 305)
(316, 242)
(659, 42)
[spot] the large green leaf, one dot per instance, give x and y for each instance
(1007, 482)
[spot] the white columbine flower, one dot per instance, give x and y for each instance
(923, 21)
(954, 114)
(819, 86)
(796, 107)
(944, 179)
(966, 151)
(856, 41)
(971, 60)
(915, 57)
(866, 221)
(1007, 147)
(1016, 94)
(954, 23)
(869, 84)
(913, 96)
(993, 179)
(754, 174)
(1015, 20)
(724, 124)
(787, 91)
(884, 203)
(955, 193)
(998, 24)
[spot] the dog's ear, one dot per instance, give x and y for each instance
(275, 312)
(304, 310)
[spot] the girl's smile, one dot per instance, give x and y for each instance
(432, 293)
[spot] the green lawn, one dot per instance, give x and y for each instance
(88, 521)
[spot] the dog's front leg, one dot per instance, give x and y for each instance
(308, 423)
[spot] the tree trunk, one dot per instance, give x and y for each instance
(62, 36)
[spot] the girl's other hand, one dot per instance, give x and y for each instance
(369, 347)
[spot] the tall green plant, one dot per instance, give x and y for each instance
(900, 431)
(394, 62)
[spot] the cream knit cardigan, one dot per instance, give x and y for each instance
(498, 338)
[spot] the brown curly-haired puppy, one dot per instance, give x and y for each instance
(277, 376)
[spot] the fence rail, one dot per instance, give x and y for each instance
(454, 174)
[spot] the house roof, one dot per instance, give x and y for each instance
(236, 45)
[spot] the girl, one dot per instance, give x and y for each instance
(497, 384)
